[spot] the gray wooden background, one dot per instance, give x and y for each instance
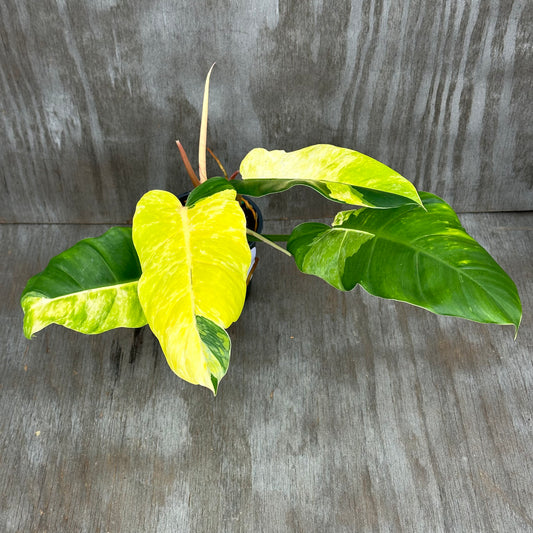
(93, 95)
(340, 412)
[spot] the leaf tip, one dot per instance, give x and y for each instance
(214, 381)
(30, 328)
(419, 201)
(517, 326)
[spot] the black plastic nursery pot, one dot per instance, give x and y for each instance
(254, 221)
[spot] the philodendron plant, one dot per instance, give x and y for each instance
(183, 269)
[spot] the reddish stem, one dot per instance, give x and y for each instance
(188, 165)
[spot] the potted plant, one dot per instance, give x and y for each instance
(183, 269)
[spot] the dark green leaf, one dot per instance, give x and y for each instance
(208, 188)
(421, 257)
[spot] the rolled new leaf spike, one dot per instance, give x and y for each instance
(194, 261)
(423, 257)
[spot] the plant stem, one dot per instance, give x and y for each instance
(278, 237)
(218, 161)
(271, 237)
(188, 166)
(262, 238)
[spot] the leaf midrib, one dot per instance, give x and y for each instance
(421, 251)
(184, 214)
(35, 292)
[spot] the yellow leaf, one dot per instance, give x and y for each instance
(194, 262)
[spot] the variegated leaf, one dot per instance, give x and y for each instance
(195, 262)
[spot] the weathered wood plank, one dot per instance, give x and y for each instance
(93, 95)
(340, 412)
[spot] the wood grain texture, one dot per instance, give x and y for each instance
(340, 412)
(93, 95)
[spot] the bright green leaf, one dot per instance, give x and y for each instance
(195, 262)
(421, 257)
(91, 287)
(337, 173)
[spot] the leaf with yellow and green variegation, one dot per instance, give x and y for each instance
(195, 262)
(423, 257)
(339, 174)
(90, 288)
